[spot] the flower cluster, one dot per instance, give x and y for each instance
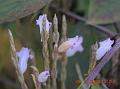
(69, 47)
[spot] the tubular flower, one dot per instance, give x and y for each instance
(105, 46)
(40, 20)
(71, 46)
(23, 55)
(76, 46)
(43, 76)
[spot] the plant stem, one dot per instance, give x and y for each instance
(55, 39)
(64, 63)
(45, 50)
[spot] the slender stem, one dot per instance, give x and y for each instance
(116, 27)
(100, 28)
(79, 73)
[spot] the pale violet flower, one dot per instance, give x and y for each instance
(76, 46)
(43, 76)
(40, 20)
(105, 46)
(23, 56)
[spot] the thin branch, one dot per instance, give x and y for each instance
(100, 28)
(116, 27)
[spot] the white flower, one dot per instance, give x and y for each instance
(105, 46)
(40, 20)
(43, 76)
(23, 55)
(76, 46)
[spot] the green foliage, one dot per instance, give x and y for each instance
(15, 9)
(82, 6)
(103, 11)
(96, 86)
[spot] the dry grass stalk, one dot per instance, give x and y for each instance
(35, 72)
(15, 62)
(54, 52)
(35, 79)
(92, 63)
(44, 39)
(64, 63)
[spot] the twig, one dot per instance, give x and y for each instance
(100, 28)
(15, 62)
(103, 61)
(116, 27)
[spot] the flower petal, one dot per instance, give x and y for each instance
(42, 77)
(23, 55)
(105, 46)
(76, 43)
(40, 20)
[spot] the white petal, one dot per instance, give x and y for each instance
(105, 46)
(42, 77)
(39, 22)
(23, 67)
(73, 40)
(70, 52)
(80, 48)
(76, 43)
(23, 56)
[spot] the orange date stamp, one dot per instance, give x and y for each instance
(97, 81)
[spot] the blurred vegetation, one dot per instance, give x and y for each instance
(26, 33)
